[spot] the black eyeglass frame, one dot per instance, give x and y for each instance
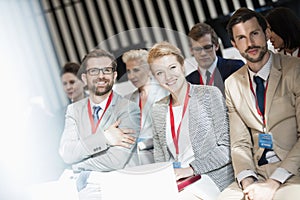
(104, 70)
(206, 48)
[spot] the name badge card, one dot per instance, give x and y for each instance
(176, 164)
(265, 140)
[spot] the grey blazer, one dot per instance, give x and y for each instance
(88, 151)
(208, 132)
(145, 141)
(156, 92)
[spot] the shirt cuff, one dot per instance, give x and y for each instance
(244, 174)
(281, 175)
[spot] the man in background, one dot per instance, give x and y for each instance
(212, 69)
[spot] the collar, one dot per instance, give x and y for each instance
(102, 104)
(210, 69)
(264, 72)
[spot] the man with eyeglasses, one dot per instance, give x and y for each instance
(100, 130)
(212, 69)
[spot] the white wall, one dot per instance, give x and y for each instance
(29, 81)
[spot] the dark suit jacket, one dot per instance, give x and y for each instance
(225, 68)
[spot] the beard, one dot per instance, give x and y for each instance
(262, 53)
(107, 88)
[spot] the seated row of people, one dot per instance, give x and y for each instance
(248, 139)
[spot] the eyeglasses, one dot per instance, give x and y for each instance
(206, 48)
(96, 71)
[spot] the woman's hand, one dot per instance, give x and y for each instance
(183, 172)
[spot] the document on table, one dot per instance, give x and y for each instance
(147, 182)
(58, 190)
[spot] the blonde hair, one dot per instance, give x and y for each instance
(163, 49)
(136, 54)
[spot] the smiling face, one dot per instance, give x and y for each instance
(169, 73)
(137, 73)
(250, 40)
(100, 84)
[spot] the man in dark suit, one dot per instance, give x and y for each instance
(212, 69)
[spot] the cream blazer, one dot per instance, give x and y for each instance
(282, 117)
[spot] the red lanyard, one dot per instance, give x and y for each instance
(174, 136)
(256, 102)
(141, 110)
(94, 127)
(211, 80)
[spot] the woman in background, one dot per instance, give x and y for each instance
(285, 31)
(72, 85)
(147, 92)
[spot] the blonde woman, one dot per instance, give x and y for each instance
(190, 126)
(147, 92)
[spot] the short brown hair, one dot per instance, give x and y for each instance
(70, 67)
(201, 29)
(242, 15)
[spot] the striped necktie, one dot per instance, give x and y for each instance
(95, 113)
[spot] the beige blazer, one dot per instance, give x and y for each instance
(282, 117)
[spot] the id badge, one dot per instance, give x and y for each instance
(176, 164)
(265, 140)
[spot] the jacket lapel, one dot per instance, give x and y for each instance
(246, 90)
(135, 96)
(108, 113)
(274, 78)
(164, 106)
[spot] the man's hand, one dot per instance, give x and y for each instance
(247, 181)
(261, 191)
(119, 137)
